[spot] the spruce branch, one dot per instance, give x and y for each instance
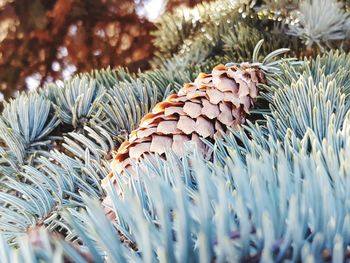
(77, 99)
(167, 199)
(320, 22)
(173, 30)
(292, 95)
(67, 119)
(56, 144)
(26, 123)
(167, 202)
(135, 97)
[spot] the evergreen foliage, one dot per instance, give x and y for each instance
(277, 188)
(315, 29)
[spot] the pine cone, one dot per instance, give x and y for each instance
(201, 109)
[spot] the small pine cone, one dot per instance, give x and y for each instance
(201, 109)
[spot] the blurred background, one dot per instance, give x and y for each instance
(46, 40)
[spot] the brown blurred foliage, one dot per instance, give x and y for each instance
(50, 39)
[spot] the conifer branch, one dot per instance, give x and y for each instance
(320, 22)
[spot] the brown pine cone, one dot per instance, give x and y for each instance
(201, 109)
